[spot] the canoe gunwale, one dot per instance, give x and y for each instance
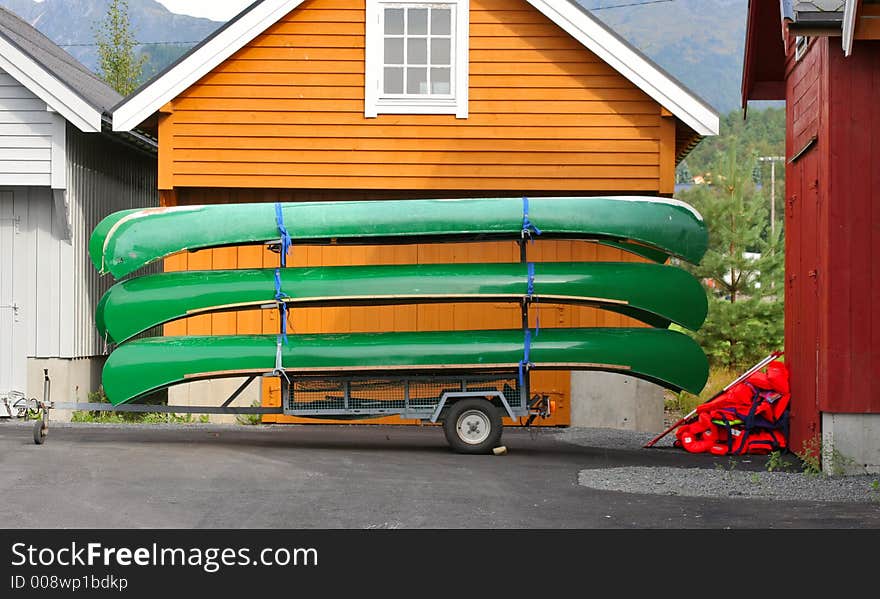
(649, 252)
(422, 368)
(385, 300)
(345, 301)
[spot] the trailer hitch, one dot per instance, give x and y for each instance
(539, 405)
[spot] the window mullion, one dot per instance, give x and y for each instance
(409, 38)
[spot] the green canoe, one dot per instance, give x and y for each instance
(652, 293)
(653, 227)
(665, 357)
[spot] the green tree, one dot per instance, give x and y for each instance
(762, 133)
(118, 64)
(743, 266)
(160, 56)
(683, 173)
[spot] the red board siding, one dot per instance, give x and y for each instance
(803, 87)
(852, 376)
(832, 330)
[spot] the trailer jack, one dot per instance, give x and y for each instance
(37, 409)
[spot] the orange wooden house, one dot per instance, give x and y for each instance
(373, 99)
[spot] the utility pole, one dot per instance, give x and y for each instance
(772, 160)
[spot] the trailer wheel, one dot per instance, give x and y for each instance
(473, 426)
(39, 432)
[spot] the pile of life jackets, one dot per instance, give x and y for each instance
(749, 418)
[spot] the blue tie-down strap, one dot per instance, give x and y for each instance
(524, 363)
(282, 305)
(527, 226)
(286, 241)
(283, 308)
(531, 293)
(531, 286)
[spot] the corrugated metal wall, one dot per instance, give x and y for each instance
(48, 287)
(103, 176)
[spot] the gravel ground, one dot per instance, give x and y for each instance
(714, 480)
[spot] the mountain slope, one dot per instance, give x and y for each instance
(71, 24)
(699, 42)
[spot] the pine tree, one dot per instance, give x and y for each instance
(743, 266)
(118, 65)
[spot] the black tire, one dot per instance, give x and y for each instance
(39, 432)
(473, 426)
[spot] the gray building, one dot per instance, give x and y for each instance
(62, 170)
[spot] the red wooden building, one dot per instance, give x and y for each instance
(823, 59)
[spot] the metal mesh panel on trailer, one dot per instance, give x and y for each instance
(393, 394)
(317, 394)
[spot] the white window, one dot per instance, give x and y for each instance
(416, 58)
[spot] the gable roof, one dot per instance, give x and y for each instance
(567, 14)
(763, 73)
(766, 24)
(52, 74)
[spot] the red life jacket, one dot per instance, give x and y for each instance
(698, 436)
(750, 417)
(756, 441)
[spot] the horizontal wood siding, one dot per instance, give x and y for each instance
(26, 129)
(288, 111)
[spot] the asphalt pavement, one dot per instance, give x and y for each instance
(208, 476)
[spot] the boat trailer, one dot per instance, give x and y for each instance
(469, 404)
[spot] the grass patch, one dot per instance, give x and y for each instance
(250, 419)
(112, 417)
(682, 403)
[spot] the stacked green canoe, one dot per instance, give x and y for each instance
(655, 293)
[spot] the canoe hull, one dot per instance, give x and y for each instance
(655, 228)
(668, 358)
(654, 294)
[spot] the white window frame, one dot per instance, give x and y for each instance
(375, 103)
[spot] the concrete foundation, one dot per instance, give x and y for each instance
(850, 443)
(214, 392)
(70, 380)
(609, 400)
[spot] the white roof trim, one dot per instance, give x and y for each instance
(580, 25)
(849, 25)
(50, 90)
(138, 107)
(632, 65)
